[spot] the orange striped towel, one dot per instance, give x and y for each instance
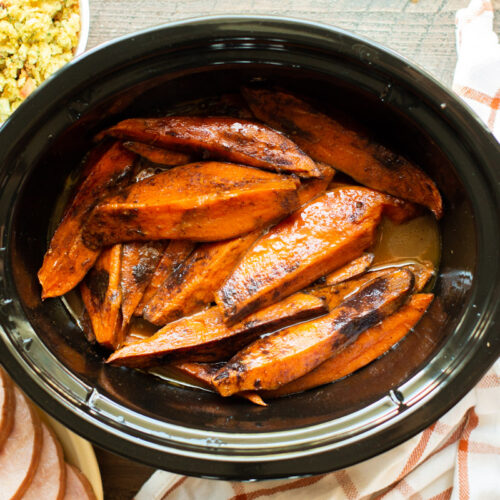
(477, 75)
(458, 456)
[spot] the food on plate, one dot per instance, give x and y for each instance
(206, 201)
(138, 263)
(247, 282)
(233, 139)
(205, 335)
(36, 39)
(32, 463)
(315, 240)
(102, 295)
(158, 155)
(192, 285)
(326, 140)
(50, 475)
(20, 453)
(77, 485)
(68, 259)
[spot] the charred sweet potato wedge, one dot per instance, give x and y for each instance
(352, 269)
(174, 254)
(370, 345)
(312, 188)
(102, 296)
(68, 259)
(139, 261)
(202, 374)
(281, 357)
(205, 201)
(205, 337)
(191, 287)
(320, 237)
(333, 295)
(233, 139)
(161, 156)
(326, 140)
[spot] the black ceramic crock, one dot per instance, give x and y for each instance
(193, 432)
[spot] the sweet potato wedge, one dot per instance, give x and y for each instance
(205, 201)
(326, 140)
(205, 337)
(320, 237)
(191, 287)
(281, 357)
(202, 374)
(139, 261)
(102, 296)
(175, 253)
(312, 188)
(370, 345)
(352, 269)
(68, 259)
(333, 295)
(161, 156)
(233, 139)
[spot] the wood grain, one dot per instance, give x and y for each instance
(422, 31)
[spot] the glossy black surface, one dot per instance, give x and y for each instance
(194, 432)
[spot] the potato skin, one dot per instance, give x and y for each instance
(102, 295)
(139, 261)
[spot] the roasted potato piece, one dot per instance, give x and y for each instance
(333, 295)
(351, 270)
(370, 345)
(102, 296)
(161, 156)
(312, 188)
(281, 357)
(205, 201)
(326, 140)
(205, 336)
(233, 139)
(191, 287)
(139, 261)
(175, 253)
(68, 259)
(320, 237)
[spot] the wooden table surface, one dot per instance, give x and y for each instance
(423, 31)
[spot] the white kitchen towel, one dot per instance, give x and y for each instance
(458, 456)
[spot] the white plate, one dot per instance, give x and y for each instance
(84, 27)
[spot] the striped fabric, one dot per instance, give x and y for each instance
(458, 456)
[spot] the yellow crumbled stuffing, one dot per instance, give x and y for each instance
(37, 37)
